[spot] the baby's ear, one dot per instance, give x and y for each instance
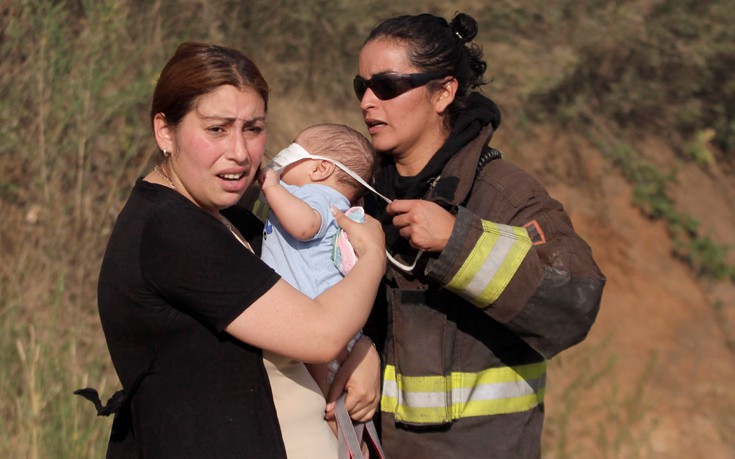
(322, 170)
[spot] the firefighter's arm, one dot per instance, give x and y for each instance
(481, 258)
(550, 301)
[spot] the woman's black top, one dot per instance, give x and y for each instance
(173, 277)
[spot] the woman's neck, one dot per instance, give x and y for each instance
(414, 160)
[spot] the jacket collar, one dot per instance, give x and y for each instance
(457, 177)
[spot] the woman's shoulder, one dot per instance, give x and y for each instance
(149, 203)
(160, 198)
(510, 180)
(164, 215)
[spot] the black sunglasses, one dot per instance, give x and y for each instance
(386, 86)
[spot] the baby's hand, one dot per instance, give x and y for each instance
(268, 177)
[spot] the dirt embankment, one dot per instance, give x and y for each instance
(656, 376)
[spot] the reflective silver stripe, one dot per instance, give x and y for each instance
(493, 391)
(494, 260)
(439, 399)
(492, 263)
(497, 391)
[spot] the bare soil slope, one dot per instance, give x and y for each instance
(656, 376)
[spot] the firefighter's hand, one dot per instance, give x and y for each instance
(425, 224)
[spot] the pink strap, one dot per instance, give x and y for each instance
(350, 433)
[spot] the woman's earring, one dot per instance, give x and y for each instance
(166, 154)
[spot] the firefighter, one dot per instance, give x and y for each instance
(488, 278)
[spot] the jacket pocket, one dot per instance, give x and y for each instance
(422, 348)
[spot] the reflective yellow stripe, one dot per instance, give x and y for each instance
(491, 264)
(260, 209)
(439, 399)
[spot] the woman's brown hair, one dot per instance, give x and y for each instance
(196, 69)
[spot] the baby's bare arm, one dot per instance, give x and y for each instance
(298, 218)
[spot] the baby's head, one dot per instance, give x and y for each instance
(346, 145)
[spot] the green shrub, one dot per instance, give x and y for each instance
(706, 257)
(668, 67)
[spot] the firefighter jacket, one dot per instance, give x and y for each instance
(468, 332)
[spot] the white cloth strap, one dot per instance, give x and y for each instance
(296, 152)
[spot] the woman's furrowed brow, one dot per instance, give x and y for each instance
(231, 119)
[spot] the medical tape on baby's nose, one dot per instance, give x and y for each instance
(296, 152)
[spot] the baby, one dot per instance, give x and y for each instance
(300, 229)
(327, 165)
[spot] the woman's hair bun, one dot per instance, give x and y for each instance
(465, 26)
